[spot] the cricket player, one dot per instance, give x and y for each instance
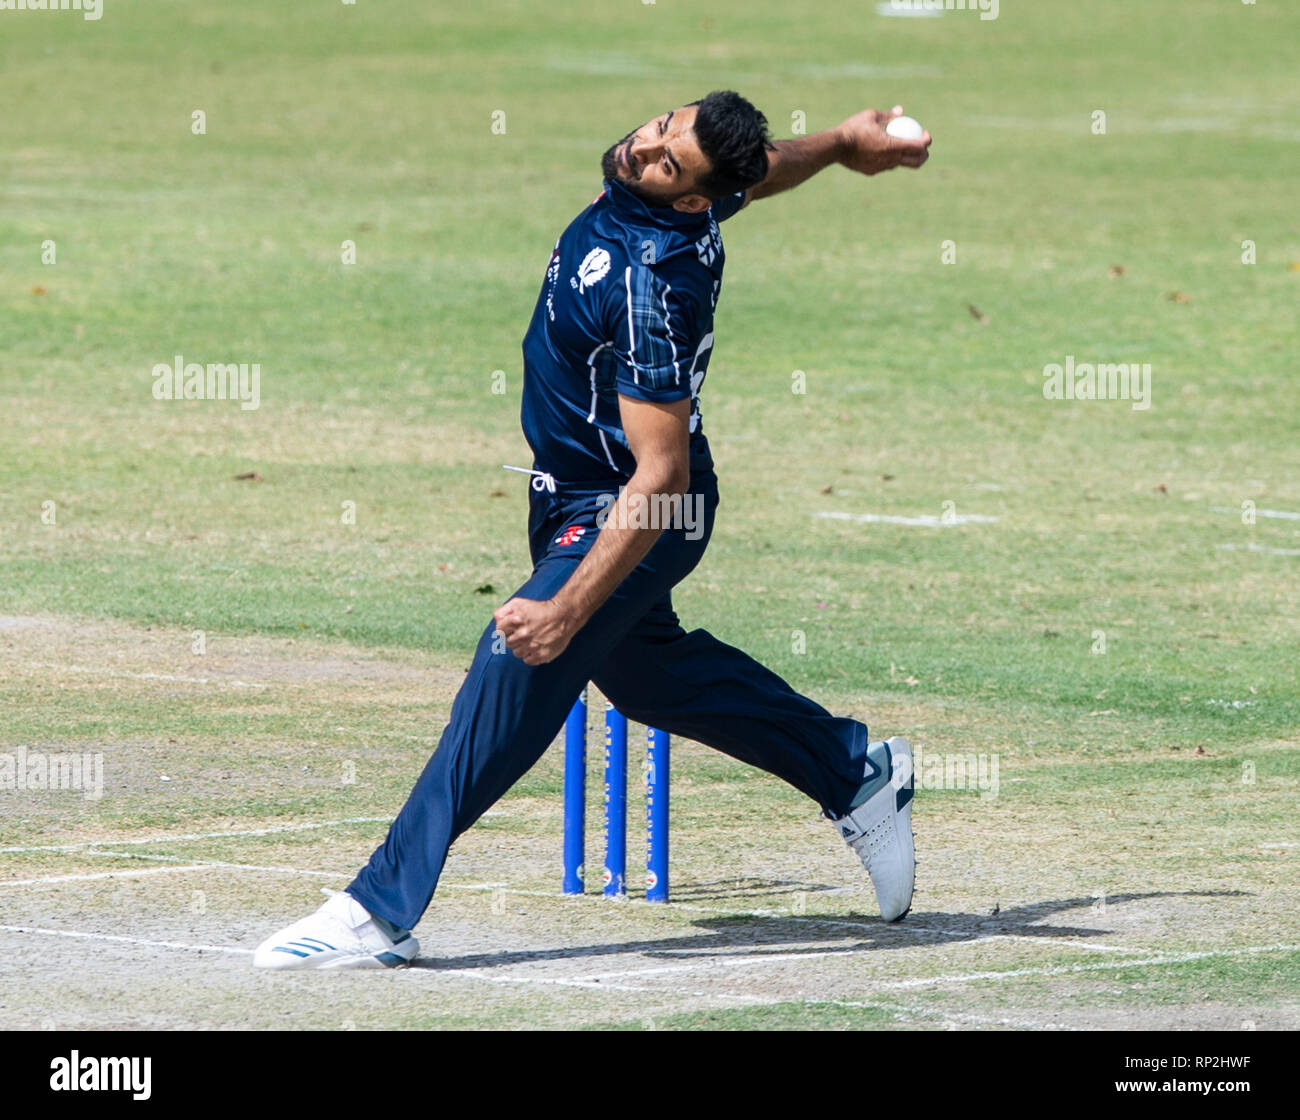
(622, 496)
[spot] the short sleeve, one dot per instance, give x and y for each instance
(655, 338)
(724, 208)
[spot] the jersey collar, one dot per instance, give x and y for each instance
(633, 209)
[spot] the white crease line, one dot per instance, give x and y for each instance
(207, 865)
(957, 937)
(78, 845)
(473, 974)
(127, 940)
(738, 999)
(1264, 548)
(1058, 970)
(280, 870)
(97, 875)
(593, 982)
(104, 853)
(488, 978)
(717, 959)
(469, 973)
(103, 672)
(1279, 514)
(226, 865)
(935, 1013)
(924, 521)
(921, 982)
(1047, 938)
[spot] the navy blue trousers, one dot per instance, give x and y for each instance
(635, 651)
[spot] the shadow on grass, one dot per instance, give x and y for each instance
(758, 934)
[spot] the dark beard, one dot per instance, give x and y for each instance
(610, 169)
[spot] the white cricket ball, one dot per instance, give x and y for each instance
(905, 128)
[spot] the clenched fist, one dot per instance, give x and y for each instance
(536, 631)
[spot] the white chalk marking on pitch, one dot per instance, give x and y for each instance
(127, 940)
(1267, 550)
(97, 875)
(935, 1013)
(1104, 966)
(280, 870)
(224, 865)
(589, 984)
(554, 981)
(306, 827)
(1071, 943)
(103, 672)
(1278, 514)
(719, 959)
(956, 937)
(956, 978)
(471, 973)
(924, 521)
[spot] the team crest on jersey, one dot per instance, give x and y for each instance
(571, 535)
(593, 269)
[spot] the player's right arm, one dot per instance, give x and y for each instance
(859, 143)
(658, 435)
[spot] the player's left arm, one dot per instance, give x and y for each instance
(860, 143)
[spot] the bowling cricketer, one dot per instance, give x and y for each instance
(614, 364)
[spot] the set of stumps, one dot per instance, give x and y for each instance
(655, 771)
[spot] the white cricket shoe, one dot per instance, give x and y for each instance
(341, 934)
(880, 828)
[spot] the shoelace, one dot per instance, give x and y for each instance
(541, 479)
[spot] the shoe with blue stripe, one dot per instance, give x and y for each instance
(341, 934)
(879, 826)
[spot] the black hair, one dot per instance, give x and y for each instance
(733, 136)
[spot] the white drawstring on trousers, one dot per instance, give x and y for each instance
(541, 480)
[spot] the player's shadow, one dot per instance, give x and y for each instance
(750, 887)
(790, 935)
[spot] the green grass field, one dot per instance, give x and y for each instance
(1120, 633)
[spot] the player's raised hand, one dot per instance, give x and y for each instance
(869, 149)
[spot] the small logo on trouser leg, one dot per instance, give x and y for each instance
(571, 535)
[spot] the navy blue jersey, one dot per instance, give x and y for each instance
(626, 307)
